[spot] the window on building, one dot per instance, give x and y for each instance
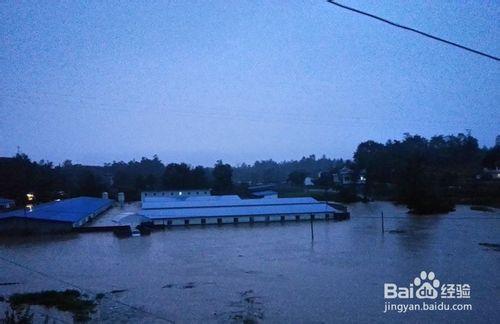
(219, 220)
(169, 222)
(235, 219)
(282, 218)
(186, 222)
(297, 217)
(203, 221)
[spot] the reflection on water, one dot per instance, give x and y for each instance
(270, 273)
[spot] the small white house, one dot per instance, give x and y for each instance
(346, 175)
(308, 181)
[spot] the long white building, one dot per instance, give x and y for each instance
(174, 193)
(200, 210)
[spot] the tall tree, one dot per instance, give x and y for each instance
(222, 174)
(177, 176)
(297, 178)
(89, 184)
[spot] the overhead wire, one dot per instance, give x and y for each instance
(414, 30)
(242, 115)
(67, 283)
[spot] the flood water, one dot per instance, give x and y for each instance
(268, 272)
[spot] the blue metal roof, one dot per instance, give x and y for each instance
(225, 206)
(68, 210)
(224, 201)
(256, 210)
(265, 193)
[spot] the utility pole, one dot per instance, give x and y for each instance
(312, 228)
(382, 216)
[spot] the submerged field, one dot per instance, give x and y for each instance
(265, 272)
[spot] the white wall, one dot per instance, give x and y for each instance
(175, 193)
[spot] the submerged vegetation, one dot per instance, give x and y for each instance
(483, 208)
(18, 316)
(67, 301)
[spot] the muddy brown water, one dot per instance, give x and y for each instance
(267, 272)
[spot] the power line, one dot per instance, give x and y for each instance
(244, 115)
(46, 275)
(414, 30)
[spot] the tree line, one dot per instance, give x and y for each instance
(48, 182)
(20, 175)
(428, 175)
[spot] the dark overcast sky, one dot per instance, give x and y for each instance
(239, 80)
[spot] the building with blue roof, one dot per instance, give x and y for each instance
(57, 216)
(232, 209)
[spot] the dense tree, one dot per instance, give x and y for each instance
(199, 178)
(422, 170)
(492, 158)
(19, 176)
(425, 174)
(134, 176)
(182, 176)
(297, 178)
(277, 172)
(222, 174)
(373, 157)
(325, 180)
(177, 176)
(90, 185)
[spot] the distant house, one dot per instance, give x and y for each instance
(266, 194)
(6, 203)
(262, 187)
(336, 178)
(308, 181)
(489, 174)
(362, 176)
(494, 174)
(263, 190)
(347, 176)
